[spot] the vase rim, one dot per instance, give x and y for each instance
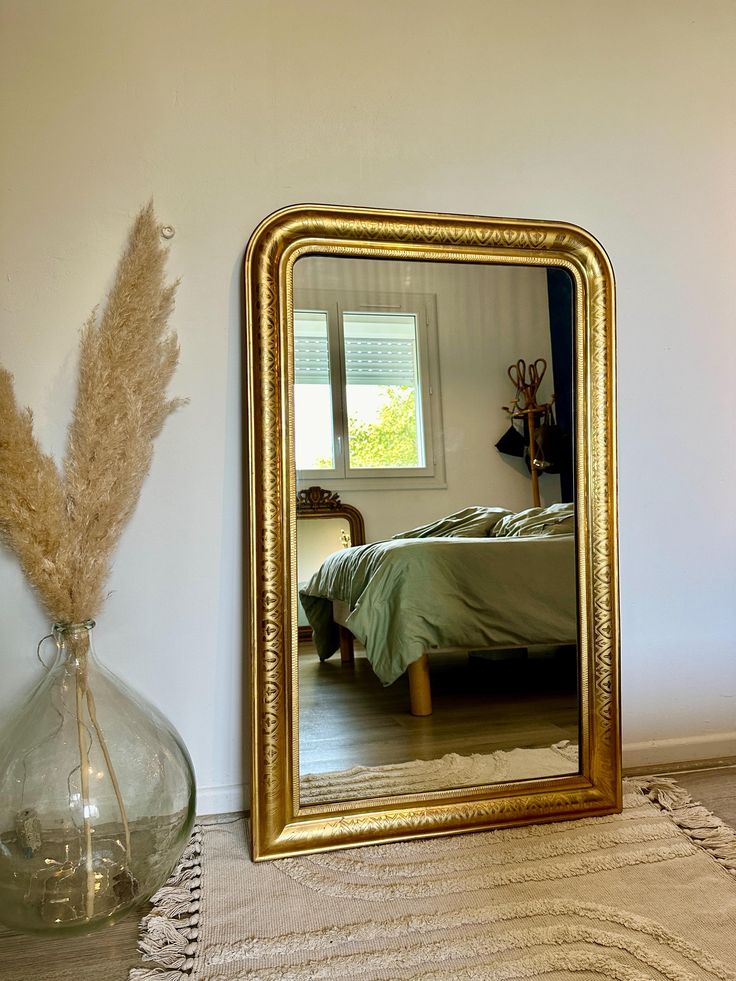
(63, 627)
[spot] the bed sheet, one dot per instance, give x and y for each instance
(409, 596)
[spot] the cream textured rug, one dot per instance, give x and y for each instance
(452, 770)
(647, 894)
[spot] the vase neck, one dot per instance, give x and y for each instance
(74, 640)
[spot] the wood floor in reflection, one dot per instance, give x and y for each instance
(347, 717)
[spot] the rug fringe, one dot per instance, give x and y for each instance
(169, 933)
(701, 826)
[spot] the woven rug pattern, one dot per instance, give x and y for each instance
(647, 894)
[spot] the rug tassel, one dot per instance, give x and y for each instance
(701, 826)
(169, 933)
(179, 903)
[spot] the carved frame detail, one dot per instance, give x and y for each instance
(318, 502)
(280, 825)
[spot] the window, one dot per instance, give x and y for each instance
(366, 388)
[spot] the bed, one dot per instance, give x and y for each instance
(479, 579)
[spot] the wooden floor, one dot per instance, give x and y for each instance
(480, 704)
(108, 956)
(714, 788)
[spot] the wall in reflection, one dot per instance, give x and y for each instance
(486, 318)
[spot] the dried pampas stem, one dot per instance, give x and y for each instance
(92, 709)
(64, 530)
(126, 363)
(33, 519)
(81, 685)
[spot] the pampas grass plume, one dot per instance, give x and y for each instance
(64, 526)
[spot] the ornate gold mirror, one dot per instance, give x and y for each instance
(439, 653)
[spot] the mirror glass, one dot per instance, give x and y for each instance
(437, 399)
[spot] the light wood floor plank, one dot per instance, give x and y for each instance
(107, 955)
(715, 789)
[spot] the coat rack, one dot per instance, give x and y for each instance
(527, 380)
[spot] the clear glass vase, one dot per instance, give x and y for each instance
(97, 797)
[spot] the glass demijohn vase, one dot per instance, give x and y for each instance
(97, 797)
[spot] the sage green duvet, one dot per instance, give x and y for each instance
(410, 595)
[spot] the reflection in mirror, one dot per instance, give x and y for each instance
(314, 542)
(436, 399)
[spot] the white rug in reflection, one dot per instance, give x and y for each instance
(447, 773)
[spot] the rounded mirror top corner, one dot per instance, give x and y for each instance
(348, 227)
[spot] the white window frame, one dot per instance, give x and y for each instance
(423, 306)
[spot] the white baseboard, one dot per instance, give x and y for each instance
(235, 797)
(222, 800)
(679, 750)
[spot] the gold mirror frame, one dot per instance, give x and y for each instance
(280, 825)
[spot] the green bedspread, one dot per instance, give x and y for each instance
(410, 595)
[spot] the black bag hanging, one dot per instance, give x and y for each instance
(512, 443)
(550, 445)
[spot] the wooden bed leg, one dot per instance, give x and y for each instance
(347, 650)
(420, 694)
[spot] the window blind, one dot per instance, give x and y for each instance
(379, 361)
(380, 349)
(311, 361)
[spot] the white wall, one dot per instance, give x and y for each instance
(616, 116)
